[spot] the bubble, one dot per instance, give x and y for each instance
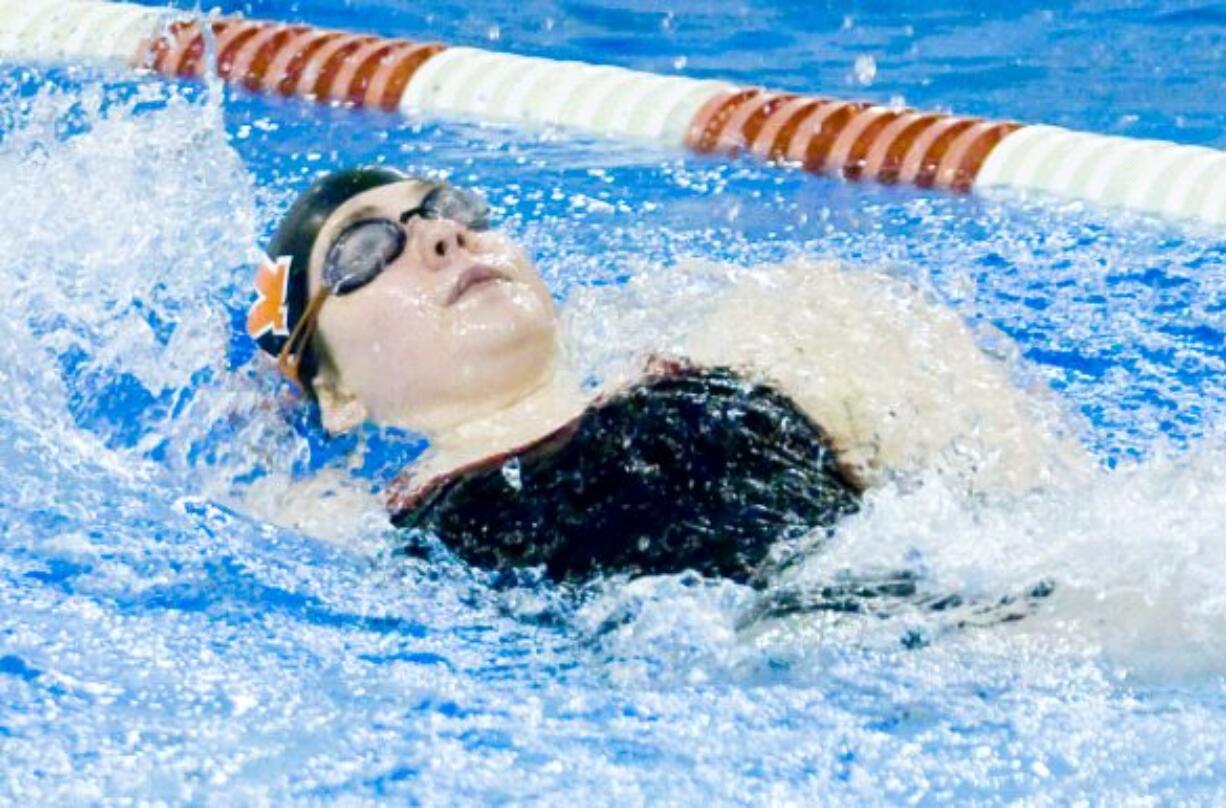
(865, 69)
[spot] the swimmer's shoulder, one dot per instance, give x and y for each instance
(891, 372)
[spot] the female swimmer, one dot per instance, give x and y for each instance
(391, 299)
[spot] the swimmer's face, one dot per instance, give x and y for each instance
(459, 323)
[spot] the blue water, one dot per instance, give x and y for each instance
(162, 639)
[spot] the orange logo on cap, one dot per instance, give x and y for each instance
(268, 313)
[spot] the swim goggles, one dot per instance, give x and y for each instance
(365, 248)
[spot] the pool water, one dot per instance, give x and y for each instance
(164, 640)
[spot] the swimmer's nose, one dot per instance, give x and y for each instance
(441, 243)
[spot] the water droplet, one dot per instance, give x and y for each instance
(512, 474)
(865, 69)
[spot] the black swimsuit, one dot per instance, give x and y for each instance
(694, 469)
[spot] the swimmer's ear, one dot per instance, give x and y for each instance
(338, 408)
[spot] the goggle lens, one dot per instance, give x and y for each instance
(458, 205)
(360, 253)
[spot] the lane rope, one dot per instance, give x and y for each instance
(854, 140)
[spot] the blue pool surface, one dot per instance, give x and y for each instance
(163, 641)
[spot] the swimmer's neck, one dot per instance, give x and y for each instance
(556, 401)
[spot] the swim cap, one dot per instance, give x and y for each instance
(282, 281)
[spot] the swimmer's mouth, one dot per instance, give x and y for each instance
(476, 275)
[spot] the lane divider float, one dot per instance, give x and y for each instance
(854, 140)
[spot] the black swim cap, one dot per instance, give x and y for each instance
(282, 282)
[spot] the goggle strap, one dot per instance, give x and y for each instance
(290, 356)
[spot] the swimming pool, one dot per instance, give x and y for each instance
(163, 640)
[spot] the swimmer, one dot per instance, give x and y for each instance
(392, 300)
